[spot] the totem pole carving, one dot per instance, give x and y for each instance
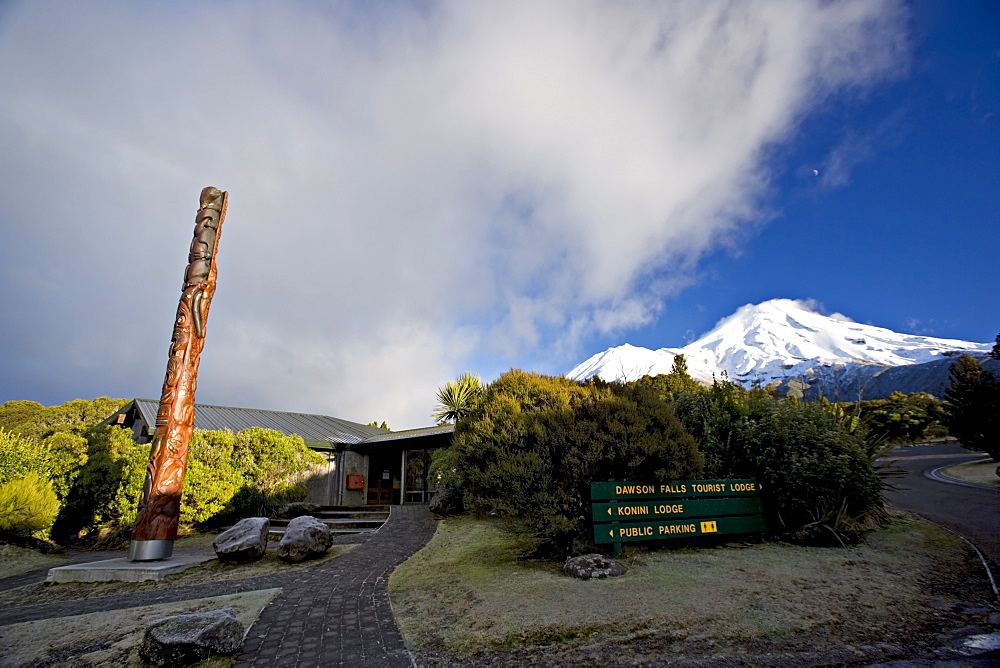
(159, 507)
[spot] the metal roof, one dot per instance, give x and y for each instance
(316, 428)
(411, 433)
(424, 432)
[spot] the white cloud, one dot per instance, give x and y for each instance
(843, 159)
(412, 187)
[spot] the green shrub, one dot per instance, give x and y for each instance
(213, 475)
(532, 445)
(68, 452)
(28, 505)
(20, 456)
(678, 380)
(35, 421)
(274, 463)
(106, 490)
(249, 472)
(902, 417)
(13, 413)
(816, 475)
(272, 471)
(49, 440)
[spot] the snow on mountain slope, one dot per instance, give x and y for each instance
(780, 338)
(625, 362)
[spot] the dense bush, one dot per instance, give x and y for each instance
(106, 491)
(20, 456)
(532, 444)
(52, 464)
(59, 431)
(242, 473)
(33, 420)
(28, 505)
(902, 417)
(98, 473)
(816, 475)
(678, 380)
(251, 472)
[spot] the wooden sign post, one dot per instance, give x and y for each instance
(632, 511)
(160, 505)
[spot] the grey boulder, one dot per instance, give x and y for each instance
(243, 542)
(305, 538)
(982, 645)
(181, 640)
(589, 566)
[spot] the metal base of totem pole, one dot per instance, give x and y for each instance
(150, 550)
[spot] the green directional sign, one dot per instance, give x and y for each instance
(659, 530)
(671, 508)
(638, 511)
(681, 489)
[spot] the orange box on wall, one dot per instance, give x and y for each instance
(355, 482)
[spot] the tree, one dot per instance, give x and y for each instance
(678, 380)
(20, 456)
(61, 430)
(532, 445)
(33, 420)
(817, 476)
(901, 417)
(13, 413)
(682, 380)
(457, 397)
(995, 353)
(974, 406)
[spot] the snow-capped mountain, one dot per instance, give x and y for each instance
(778, 340)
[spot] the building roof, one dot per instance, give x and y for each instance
(317, 428)
(430, 437)
(314, 429)
(411, 433)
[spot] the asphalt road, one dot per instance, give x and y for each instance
(972, 512)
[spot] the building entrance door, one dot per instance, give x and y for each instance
(384, 479)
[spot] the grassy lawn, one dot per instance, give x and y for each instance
(983, 472)
(469, 595)
(112, 638)
(16, 560)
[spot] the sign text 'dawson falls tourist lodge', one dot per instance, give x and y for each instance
(629, 511)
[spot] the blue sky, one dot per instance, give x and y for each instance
(907, 239)
(433, 187)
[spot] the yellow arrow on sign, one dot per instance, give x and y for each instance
(612, 533)
(609, 511)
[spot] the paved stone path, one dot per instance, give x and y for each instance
(333, 613)
(339, 612)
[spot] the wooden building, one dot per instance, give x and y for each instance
(364, 465)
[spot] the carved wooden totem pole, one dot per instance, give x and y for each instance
(159, 507)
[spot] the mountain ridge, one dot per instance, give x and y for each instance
(783, 339)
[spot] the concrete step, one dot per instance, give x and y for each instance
(368, 508)
(278, 532)
(339, 523)
(350, 514)
(341, 520)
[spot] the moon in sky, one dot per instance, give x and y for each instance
(815, 172)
